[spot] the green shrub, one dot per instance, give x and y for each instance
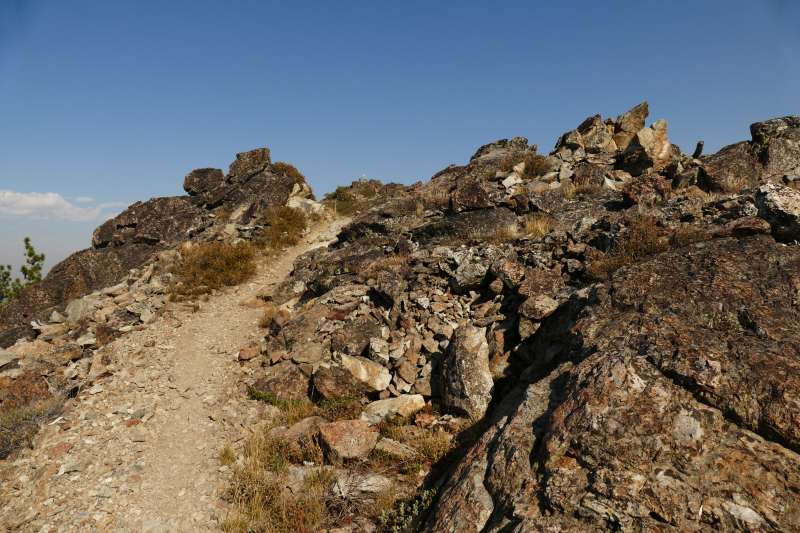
(31, 273)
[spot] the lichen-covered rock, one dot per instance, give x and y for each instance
(675, 406)
(467, 383)
(347, 439)
(203, 180)
(285, 381)
(646, 190)
(731, 169)
(648, 151)
(354, 338)
(468, 197)
(629, 124)
(780, 206)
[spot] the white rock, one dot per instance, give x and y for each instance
(403, 405)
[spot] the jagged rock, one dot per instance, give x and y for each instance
(468, 197)
(596, 136)
(373, 375)
(347, 439)
(780, 206)
(646, 189)
(629, 124)
(404, 405)
(763, 132)
(391, 285)
(351, 484)
(781, 157)
(677, 394)
(515, 144)
(335, 381)
(731, 169)
(305, 433)
(203, 180)
(78, 309)
(482, 222)
(538, 307)
(467, 383)
(354, 338)
(248, 164)
(509, 270)
(285, 381)
(648, 151)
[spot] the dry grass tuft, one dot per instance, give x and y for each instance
(535, 165)
(538, 225)
(259, 502)
(223, 214)
(227, 456)
(18, 426)
(266, 319)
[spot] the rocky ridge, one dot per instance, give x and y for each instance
(661, 394)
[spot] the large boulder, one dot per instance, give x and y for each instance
(763, 132)
(628, 124)
(675, 405)
(285, 381)
(648, 151)
(467, 384)
(203, 180)
(731, 169)
(248, 164)
(596, 136)
(781, 157)
(780, 206)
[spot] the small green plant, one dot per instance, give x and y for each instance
(400, 518)
(31, 273)
(341, 201)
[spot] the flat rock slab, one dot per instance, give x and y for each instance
(347, 439)
(404, 405)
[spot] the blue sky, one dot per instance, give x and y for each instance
(106, 103)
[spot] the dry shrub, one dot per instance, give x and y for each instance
(588, 188)
(335, 409)
(223, 214)
(535, 165)
(538, 224)
(644, 238)
(286, 169)
(214, 265)
(433, 445)
(18, 426)
(397, 262)
(283, 227)
(266, 319)
(436, 200)
(259, 503)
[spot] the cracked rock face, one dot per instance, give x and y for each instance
(685, 416)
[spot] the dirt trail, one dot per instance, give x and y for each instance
(140, 452)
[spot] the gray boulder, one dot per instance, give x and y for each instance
(780, 206)
(467, 381)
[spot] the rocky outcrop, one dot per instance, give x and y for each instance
(673, 371)
(146, 228)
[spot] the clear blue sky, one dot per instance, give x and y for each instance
(103, 103)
